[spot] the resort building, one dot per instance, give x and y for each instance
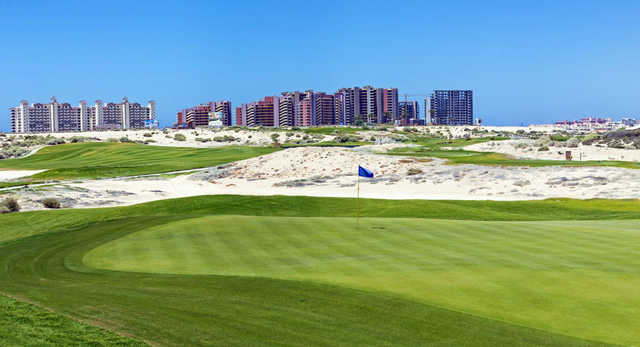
(62, 117)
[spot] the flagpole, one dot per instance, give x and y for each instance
(358, 203)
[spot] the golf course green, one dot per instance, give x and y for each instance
(273, 270)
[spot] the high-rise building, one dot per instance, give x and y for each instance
(428, 110)
(62, 117)
(409, 113)
(325, 109)
(390, 104)
(452, 107)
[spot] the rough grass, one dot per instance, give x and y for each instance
(23, 324)
(41, 259)
(102, 159)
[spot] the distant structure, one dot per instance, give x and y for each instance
(348, 106)
(62, 117)
(202, 114)
(597, 124)
(450, 107)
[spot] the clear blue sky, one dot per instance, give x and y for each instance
(527, 61)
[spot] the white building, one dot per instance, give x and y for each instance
(62, 117)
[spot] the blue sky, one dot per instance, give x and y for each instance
(527, 61)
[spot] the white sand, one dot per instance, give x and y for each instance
(590, 152)
(330, 172)
(13, 174)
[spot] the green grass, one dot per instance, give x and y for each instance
(102, 159)
(23, 324)
(42, 259)
(535, 274)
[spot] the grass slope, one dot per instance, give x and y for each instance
(22, 324)
(103, 159)
(578, 278)
(41, 259)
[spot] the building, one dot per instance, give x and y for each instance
(62, 117)
(324, 110)
(409, 113)
(390, 105)
(452, 107)
(428, 110)
(199, 115)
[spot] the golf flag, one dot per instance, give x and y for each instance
(362, 172)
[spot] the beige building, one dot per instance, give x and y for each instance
(62, 117)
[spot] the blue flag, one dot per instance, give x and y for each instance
(362, 172)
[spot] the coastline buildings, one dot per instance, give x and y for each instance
(62, 117)
(450, 107)
(348, 106)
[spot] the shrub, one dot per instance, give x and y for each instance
(413, 171)
(543, 148)
(55, 141)
(225, 138)
(77, 139)
(11, 204)
(147, 134)
(179, 137)
(125, 139)
(274, 137)
(111, 139)
(51, 203)
(202, 139)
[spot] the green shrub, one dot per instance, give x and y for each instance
(543, 149)
(147, 134)
(111, 139)
(125, 139)
(11, 204)
(179, 137)
(413, 171)
(51, 203)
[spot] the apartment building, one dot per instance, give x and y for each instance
(63, 117)
(309, 108)
(199, 115)
(452, 107)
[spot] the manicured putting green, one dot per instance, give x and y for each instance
(579, 278)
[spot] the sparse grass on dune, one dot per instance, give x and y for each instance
(434, 147)
(41, 259)
(103, 159)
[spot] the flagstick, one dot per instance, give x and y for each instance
(358, 204)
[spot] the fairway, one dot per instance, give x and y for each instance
(274, 270)
(104, 159)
